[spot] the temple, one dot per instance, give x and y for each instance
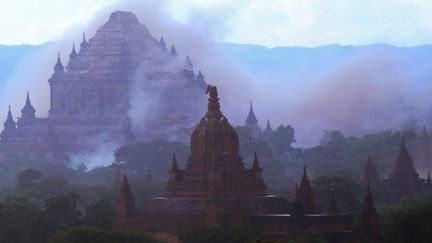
(403, 178)
(252, 122)
(215, 188)
(370, 173)
(100, 92)
(367, 228)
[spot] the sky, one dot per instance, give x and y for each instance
(264, 22)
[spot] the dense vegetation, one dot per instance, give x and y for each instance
(40, 199)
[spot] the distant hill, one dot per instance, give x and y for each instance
(262, 60)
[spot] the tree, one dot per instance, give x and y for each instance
(18, 216)
(411, 222)
(89, 235)
(155, 155)
(282, 138)
(99, 214)
(27, 178)
(62, 212)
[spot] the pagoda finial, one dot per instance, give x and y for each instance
(162, 43)
(367, 228)
(189, 64)
(213, 108)
(306, 196)
(428, 179)
(84, 42)
(28, 99)
(256, 165)
(125, 204)
(59, 65)
(200, 76)
(9, 124)
(332, 207)
(370, 173)
(173, 51)
(403, 153)
(73, 53)
(174, 165)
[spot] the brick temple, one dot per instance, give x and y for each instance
(215, 188)
(403, 178)
(92, 97)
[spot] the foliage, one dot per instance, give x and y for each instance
(18, 216)
(408, 222)
(62, 212)
(99, 214)
(155, 155)
(217, 235)
(90, 235)
(27, 177)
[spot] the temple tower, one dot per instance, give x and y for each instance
(370, 173)
(125, 204)
(332, 206)
(28, 111)
(9, 126)
(215, 167)
(268, 130)
(367, 228)
(403, 178)
(305, 194)
(252, 122)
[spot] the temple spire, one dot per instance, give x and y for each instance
(305, 194)
(84, 42)
(73, 53)
(255, 163)
(174, 165)
(213, 108)
(403, 153)
(125, 204)
(162, 44)
(268, 129)
(174, 177)
(403, 170)
(428, 179)
(188, 62)
(9, 124)
(58, 68)
(200, 76)
(173, 51)
(367, 229)
(370, 173)
(28, 111)
(252, 122)
(332, 207)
